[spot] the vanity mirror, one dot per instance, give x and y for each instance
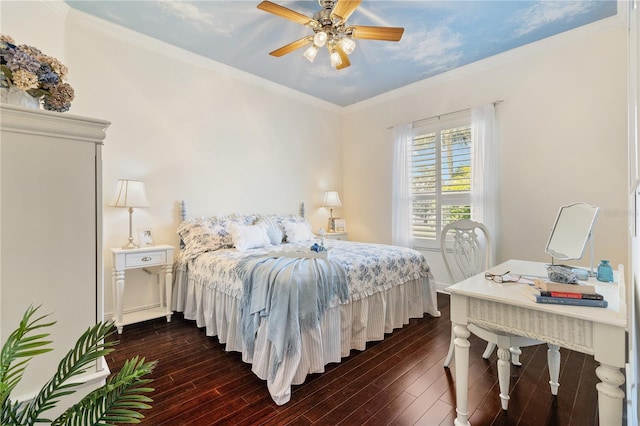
(572, 231)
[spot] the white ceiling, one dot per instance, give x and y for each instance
(439, 36)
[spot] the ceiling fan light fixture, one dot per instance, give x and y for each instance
(311, 53)
(335, 59)
(320, 38)
(330, 29)
(348, 45)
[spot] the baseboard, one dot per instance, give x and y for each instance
(108, 316)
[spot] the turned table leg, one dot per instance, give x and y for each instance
(610, 396)
(462, 374)
(553, 361)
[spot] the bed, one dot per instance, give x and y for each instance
(287, 309)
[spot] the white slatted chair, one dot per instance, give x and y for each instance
(468, 256)
(466, 251)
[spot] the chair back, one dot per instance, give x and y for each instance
(466, 249)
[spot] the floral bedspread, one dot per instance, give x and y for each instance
(369, 268)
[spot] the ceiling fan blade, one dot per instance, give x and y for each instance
(284, 12)
(343, 57)
(377, 33)
(344, 8)
(288, 48)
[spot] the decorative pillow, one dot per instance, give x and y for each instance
(228, 222)
(274, 232)
(246, 237)
(298, 231)
(202, 235)
(281, 221)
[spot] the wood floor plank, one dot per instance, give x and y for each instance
(391, 410)
(416, 410)
(256, 417)
(398, 381)
(391, 385)
(586, 402)
(436, 414)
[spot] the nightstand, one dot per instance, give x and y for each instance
(337, 236)
(124, 259)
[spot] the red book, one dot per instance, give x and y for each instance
(565, 294)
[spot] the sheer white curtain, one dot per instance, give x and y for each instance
(401, 201)
(485, 170)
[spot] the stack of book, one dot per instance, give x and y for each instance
(564, 294)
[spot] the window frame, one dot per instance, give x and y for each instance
(456, 198)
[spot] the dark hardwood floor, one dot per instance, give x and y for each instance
(399, 381)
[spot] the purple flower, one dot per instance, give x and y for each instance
(6, 51)
(46, 77)
(22, 61)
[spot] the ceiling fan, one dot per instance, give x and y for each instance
(329, 27)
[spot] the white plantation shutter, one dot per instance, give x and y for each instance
(440, 179)
(424, 186)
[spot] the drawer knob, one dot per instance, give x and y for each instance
(146, 259)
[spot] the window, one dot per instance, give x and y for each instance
(440, 178)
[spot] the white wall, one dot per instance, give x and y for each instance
(190, 128)
(563, 134)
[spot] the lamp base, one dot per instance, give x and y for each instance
(130, 245)
(331, 227)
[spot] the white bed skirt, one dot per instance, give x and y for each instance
(342, 328)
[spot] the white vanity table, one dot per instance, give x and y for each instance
(124, 259)
(595, 331)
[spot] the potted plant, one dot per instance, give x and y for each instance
(117, 401)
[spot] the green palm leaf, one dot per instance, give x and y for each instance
(117, 401)
(17, 351)
(90, 346)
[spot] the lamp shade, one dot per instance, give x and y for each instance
(130, 193)
(332, 199)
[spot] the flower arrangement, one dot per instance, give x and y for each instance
(41, 76)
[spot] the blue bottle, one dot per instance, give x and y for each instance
(605, 273)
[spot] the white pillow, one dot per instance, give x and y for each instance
(298, 231)
(246, 237)
(274, 232)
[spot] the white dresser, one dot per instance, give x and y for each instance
(51, 229)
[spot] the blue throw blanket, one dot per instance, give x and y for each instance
(292, 294)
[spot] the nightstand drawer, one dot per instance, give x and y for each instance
(133, 260)
(337, 236)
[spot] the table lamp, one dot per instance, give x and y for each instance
(130, 194)
(331, 200)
